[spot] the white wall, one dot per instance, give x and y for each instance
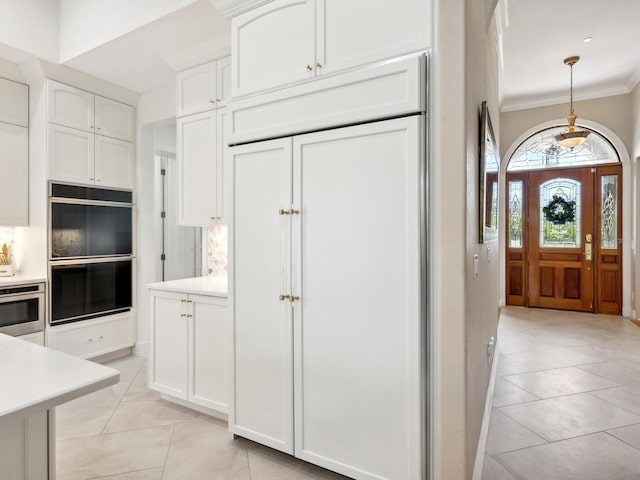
(155, 107)
(86, 24)
(30, 26)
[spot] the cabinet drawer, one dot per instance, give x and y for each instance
(92, 337)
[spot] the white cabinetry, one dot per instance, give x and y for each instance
(286, 41)
(14, 103)
(14, 170)
(201, 141)
(89, 138)
(91, 338)
(326, 255)
(189, 348)
(204, 87)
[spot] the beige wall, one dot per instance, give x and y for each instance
(464, 309)
(613, 112)
(635, 213)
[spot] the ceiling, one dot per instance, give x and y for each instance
(535, 37)
(144, 59)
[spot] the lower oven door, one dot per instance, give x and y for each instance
(22, 313)
(83, 289)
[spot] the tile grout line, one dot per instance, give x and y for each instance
(166, 457)
(620, 439)
(515, 475)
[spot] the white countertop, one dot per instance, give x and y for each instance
(35, 378)
(213, 286)
(20, 280)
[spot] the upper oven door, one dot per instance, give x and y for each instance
(83, 229)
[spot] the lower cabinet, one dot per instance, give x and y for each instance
(91, 338)
(25, 447)
(189, 348)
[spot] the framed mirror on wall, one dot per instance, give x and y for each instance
(488, 179)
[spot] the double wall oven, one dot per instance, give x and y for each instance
(90, 252)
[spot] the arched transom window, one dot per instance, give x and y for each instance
(541, 150)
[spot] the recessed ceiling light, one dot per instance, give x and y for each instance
(587, 39)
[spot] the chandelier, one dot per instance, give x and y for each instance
(572, 137)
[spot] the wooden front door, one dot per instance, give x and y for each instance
(563, 239)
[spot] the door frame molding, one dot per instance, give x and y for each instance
(627, 195)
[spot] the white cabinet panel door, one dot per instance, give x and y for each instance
(168, 357)
(70, 106)
(210, 353)
(262, 406)
(197, 89)
(114, 119)
(223, 82)
(361, 31)
(114, 163)
(357, 325)
(14, 102)
(273, 45)
(197, 169)
(71, 154)
(14, 169)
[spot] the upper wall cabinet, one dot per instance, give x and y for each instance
(76, 108)
(14, 103)
(286, 41)
(204, 87)
(14, 165)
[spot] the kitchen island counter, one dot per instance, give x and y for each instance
(33, 380)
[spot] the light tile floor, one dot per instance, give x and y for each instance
(567, 398)
(126, 432)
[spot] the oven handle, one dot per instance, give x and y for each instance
(81, 261)
(99, 203)
(13, 297)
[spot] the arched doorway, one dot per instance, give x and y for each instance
(563, 235)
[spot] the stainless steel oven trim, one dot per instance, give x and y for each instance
(25, 327)
(82, 260)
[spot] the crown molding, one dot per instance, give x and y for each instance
(198, 53)
(634, 78)
(232, 8)
(545, 100)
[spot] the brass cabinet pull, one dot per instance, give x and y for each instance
(309, 68)
(212, 101)
(215, 218)
(183, 314)
(289, 212)
(284, 297)
(318, 65)
(189, 316)
(293, 298)
(218, 100)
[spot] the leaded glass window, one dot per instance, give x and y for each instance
(564, 234)
(541, 151)
(515, 214)
(609, 212)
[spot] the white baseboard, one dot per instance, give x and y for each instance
(141, 349)
(197, 408)
(484, 430)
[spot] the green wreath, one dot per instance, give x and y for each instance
(560, 211)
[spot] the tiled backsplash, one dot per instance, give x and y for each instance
(217, 248)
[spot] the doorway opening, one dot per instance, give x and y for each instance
(563, 245)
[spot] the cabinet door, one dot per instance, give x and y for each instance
(357, 325)
(222, 125)
(223, 82)
(114, 119)
(361, 31)
(14, 102)
(197, 169)
(114, 163)
(14, 171)
(168, 358)
(272, 45)
(210, 351)
(70, 106)
(197, 89)
(262, 405)
(71, 155)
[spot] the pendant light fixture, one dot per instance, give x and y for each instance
(572, 138)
